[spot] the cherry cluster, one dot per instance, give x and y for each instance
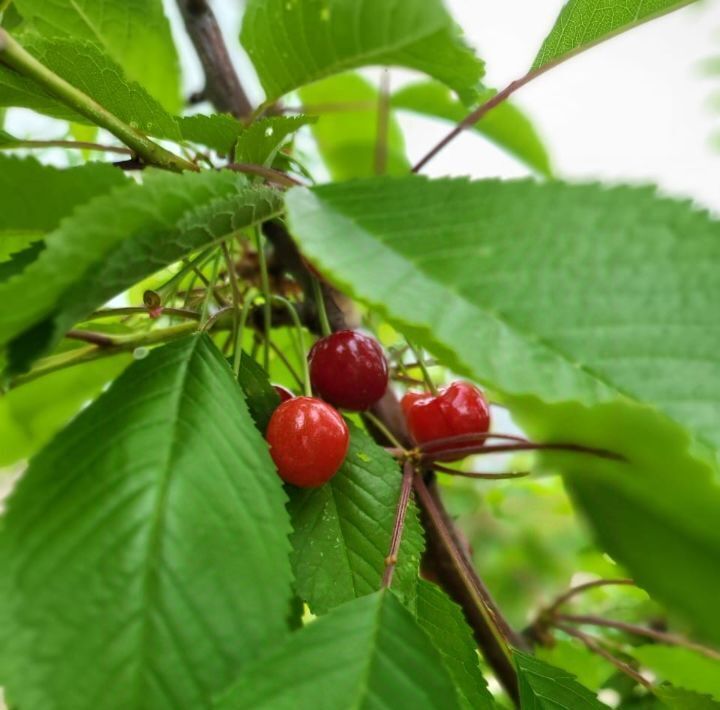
(309, 438)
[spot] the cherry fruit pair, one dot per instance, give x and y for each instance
(308, 437)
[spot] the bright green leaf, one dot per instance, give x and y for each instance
(85, 66)
(35, 197)
(342, 530)
(347, 140)
(368, 653)
(573, 656)
(118, 239)
(295, 42)
(31, 414)
(544, 687)
(584, 23)
(150, 559)
(445, 624)
(260, 142)
(219, 131)
(506, 125)
(681, 667)
(590, 311)
(135, 33)
(681, 699)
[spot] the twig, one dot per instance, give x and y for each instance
(75, 145)
(450, 454)
(90, 336)
(580, 588)
(12, 54)
(383, 123)
(379, 424)
(402, 506)
(222, 86)
(479, 474)
(270, 174)
(595, 647)
(478, 437)
(633, 629)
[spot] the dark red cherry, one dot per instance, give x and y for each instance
(283, 392)
(308, 441)
(460, 408)
(349, 370)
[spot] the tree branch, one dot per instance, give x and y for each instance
(222, 86)
(402, 506)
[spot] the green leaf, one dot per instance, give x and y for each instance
(219, 131)
(85, 66)
(35, 197)
(681, 667)
(571, 655)
(31, 414)
(295, 43)
(342, 530)
(368, 653)
(347, 139)
(260, 142)
(582, 24)
(544, 687)
(506, 125)
(681, 699)
(445, 624)
(135, 34)
(18, 261)
(118, 239)
(262, 399)
(150, 559)
(589, 311)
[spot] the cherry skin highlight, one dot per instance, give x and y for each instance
(308, 441)
(283, 392)
(349, 370)
(460, 408)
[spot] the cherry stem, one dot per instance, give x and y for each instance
(592, 644)
(244, 313)
(400, 514)
(267, 306)
(423, 368)
(580, 588)
(380, 426)
(300, 342)
(450, 454)
(288, 365)
(269, 174)
(636, 630)
(479, 474)
(479, 437)
(237, 298)
(325, 328)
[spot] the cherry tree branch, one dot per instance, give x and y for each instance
(396, 539)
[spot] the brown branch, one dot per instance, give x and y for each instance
(595, 647)
(635, 630)
(269, 174)
(580, 588)
(222, 86)
(396, 539)
(450, 454)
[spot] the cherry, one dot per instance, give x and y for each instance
(283, 392)
(308, 441)
(460, 408)
(349, 370)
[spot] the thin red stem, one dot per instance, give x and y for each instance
(580, 588)
(479, 437)
(402, 506)
(451, 454)
(479, 474)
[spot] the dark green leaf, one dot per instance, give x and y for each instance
(544, 687)
(293, 43)
(262, 399)
(31, 414)
(347, 139)
(85, 66)
(445, 624)
(342, 530)
(135, 34)
(590, 311)
(681, 699)
(583, 23)
(506, 126)
(146, 546)
(116, 240)
(368, 653)
(35, 197)
(260, 142)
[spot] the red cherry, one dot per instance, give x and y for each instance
(283, 392)
(308, 441)
(349, 370)
(460, 408)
